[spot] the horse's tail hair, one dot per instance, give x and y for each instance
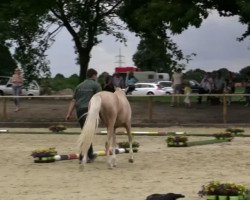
(90, 125)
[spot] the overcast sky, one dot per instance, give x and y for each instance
(214, 43)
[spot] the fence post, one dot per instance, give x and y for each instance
(224, 109)
(150, 109)
(4, 108)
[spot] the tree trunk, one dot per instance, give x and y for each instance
(84, 58)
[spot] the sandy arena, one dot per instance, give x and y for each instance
(157, 168)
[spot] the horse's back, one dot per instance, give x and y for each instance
(115, 108)
(124, 107)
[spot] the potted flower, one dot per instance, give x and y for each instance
(235, 131)
(223, 191)
(177, 139)
(224, 135)
(57, 128)
(236, 191)
(210, 191)
(44, 155)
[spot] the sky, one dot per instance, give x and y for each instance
(214, 42)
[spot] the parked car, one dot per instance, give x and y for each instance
(195, 86)
(4, 80)
(33, 89)
(167, 86)
(148, 89)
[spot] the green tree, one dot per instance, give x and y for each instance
(196, 74)
(161, 18)
(84, 20)
(33, 25)
(8, 64)
(152, 54)
(244, 72)
(59, 76)
(177, 15)
(20, 30)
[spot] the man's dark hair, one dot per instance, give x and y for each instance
(91, 72)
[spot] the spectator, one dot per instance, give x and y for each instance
(247, 90)
(187, 92)
(177, 79)
(108, 85)
(219, 83)
(82, 95)
(130, 82)
(17, 84)
(117, 81)
(229, 86)
(207, 86)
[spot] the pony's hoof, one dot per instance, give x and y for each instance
(110, 167)
(131, 160)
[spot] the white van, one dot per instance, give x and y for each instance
(150, 76)
(33, 89)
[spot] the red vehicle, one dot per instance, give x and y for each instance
(126, 69)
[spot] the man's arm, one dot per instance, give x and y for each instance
(70, 109)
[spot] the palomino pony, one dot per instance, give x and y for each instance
(115, 111)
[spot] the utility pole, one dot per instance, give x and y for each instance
(120, 56)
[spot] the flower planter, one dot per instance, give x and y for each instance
(211, 197)
(222, 197)
(236, 198)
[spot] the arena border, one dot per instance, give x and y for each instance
(104, 133)
(136, 125)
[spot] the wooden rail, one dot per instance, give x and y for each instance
(150, 98)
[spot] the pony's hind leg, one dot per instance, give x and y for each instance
(113, 160)
(110, 160)
(82, 161)
(128, 129)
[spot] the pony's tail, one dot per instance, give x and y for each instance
(90, 125)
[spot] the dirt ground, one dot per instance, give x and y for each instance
(43, 112)
(157, 168)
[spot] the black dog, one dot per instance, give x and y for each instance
(168, 196)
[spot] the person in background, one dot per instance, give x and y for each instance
(229, 86)
(17, 84)
(108, 85)
(219, 83)
(82, 95)
(177, 79)
(219, 86)
(130, 82)
(187, 92)
(117, 81)
(207, 85)
(247, 90)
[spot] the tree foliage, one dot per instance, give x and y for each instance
(161, 18)
(196, 74)
(39, 21)
(7, 64)
(20, 29)
(31, 26)
(245, 72)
